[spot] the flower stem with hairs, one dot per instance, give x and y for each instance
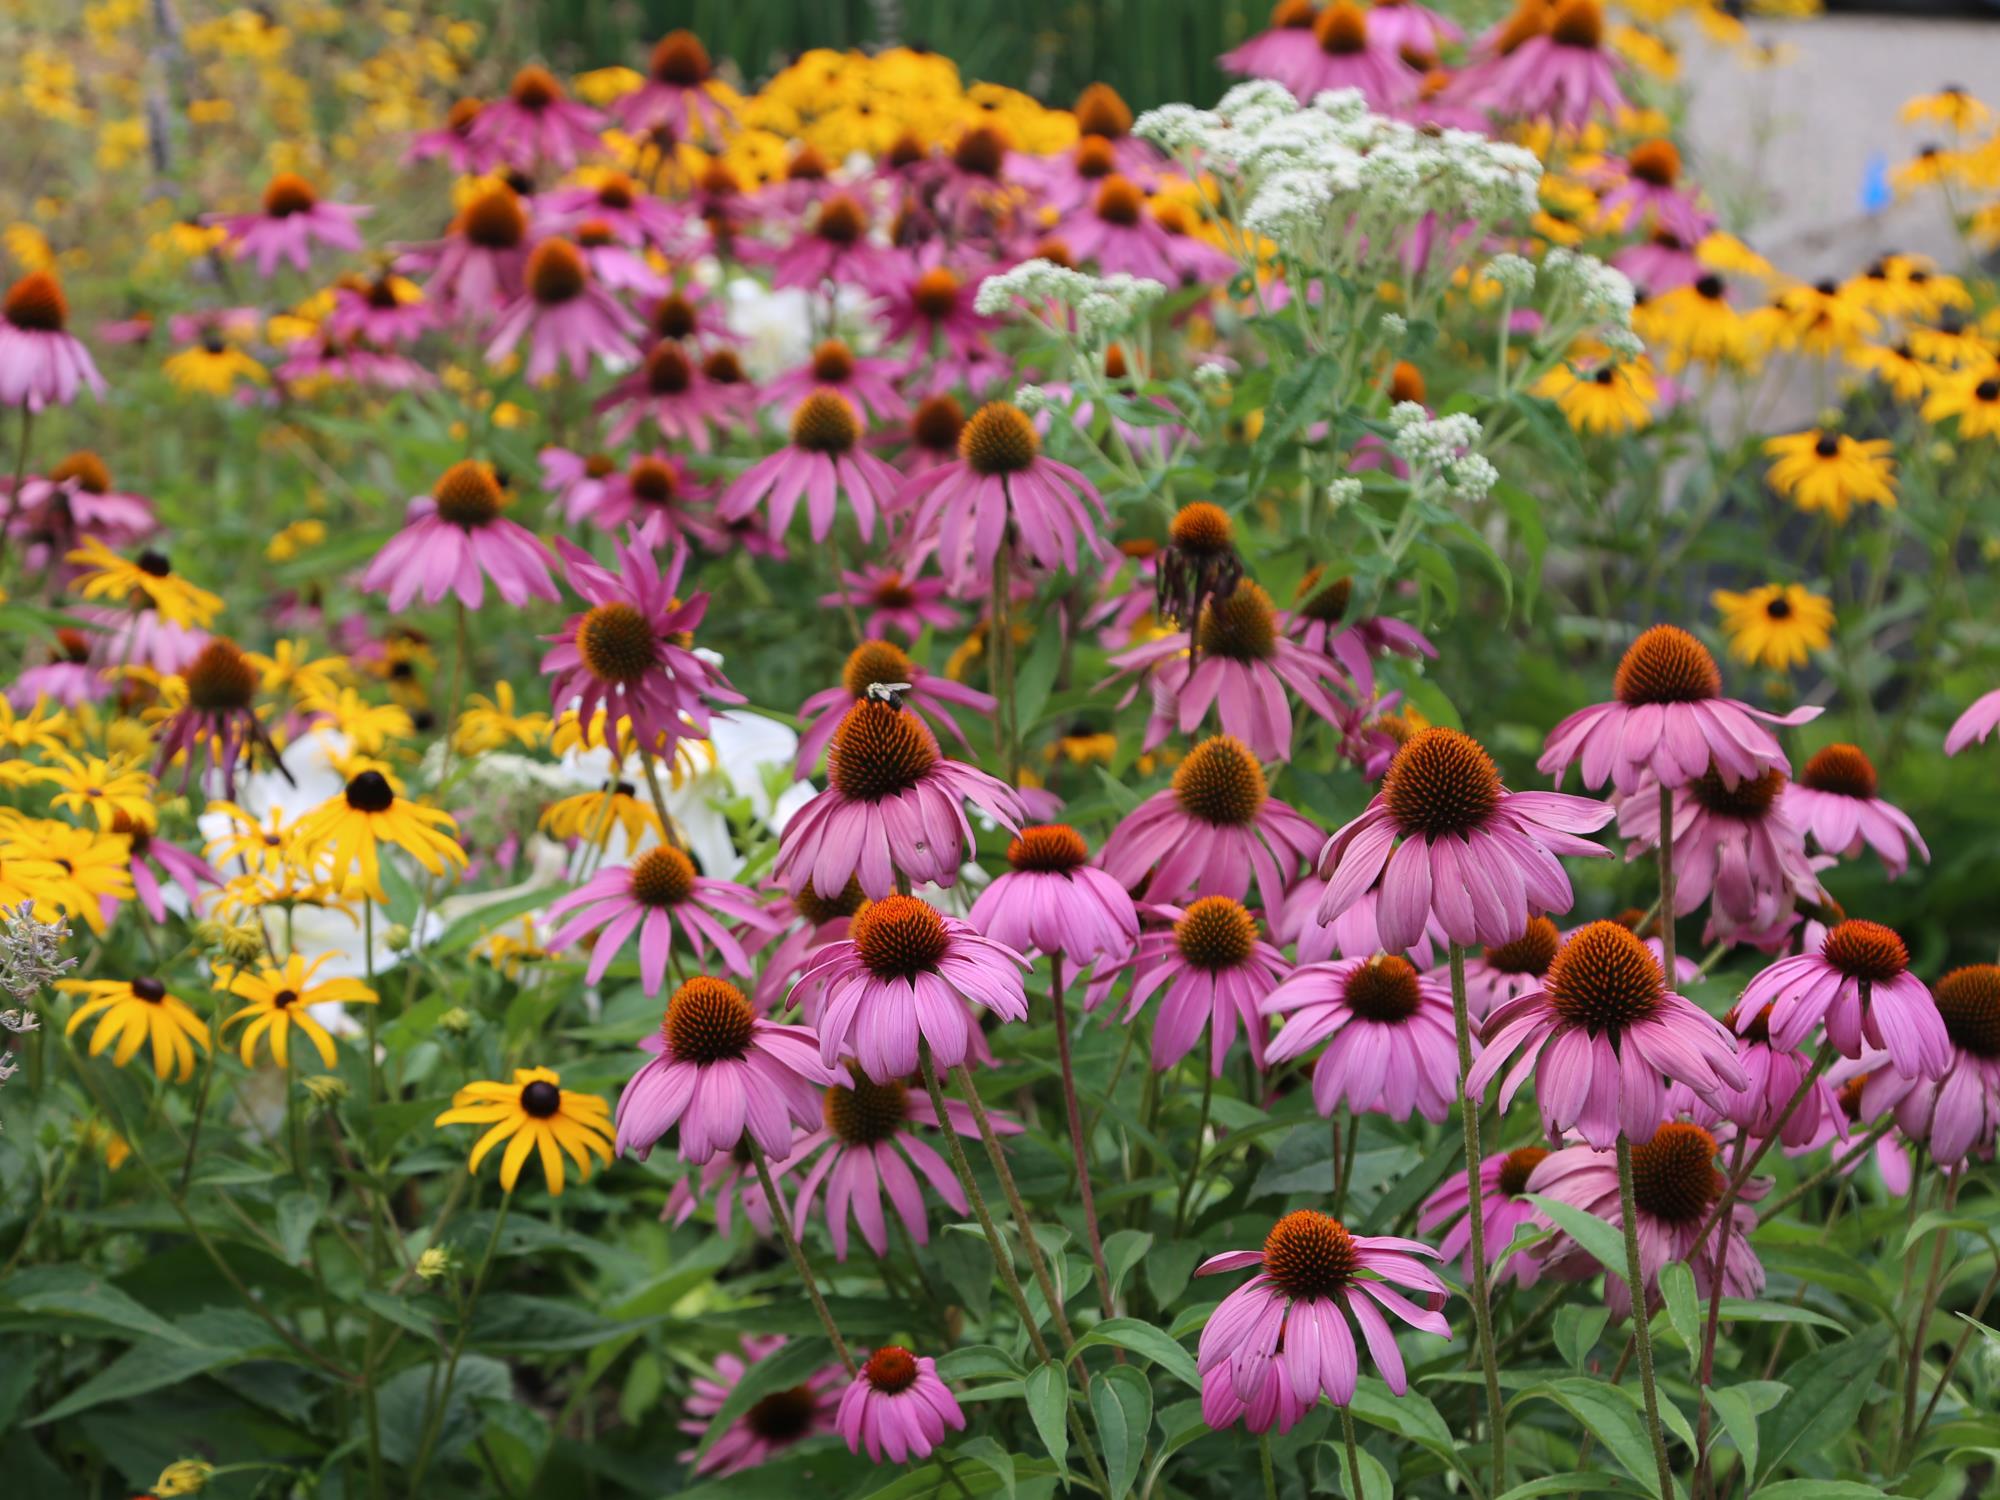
(1037, 1262)
(1667, 884)
(782, 1218)
(1078, 1142)
(1482, 1304)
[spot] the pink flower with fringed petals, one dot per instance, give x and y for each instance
(537, 122)
(454, 540)
(649, 899)
(823, 461)
(756, 1437)
(1389, 1044)
(1857, 983)
(1503, 1177)
(897, 1408)
(1836, 801)
(1051, 901)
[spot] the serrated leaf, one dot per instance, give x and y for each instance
(1121, 1402)
(1047, 1392)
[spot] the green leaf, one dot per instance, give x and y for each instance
(1829, 1387)
(1048, 1404)
(1583, 1482)
(404, 1405)
(1820, 1489)
(1600, 1239)
(1036, 676)
(984, 1450)
(1148, 1342)
(1123, 1251)
(1739, 1419)
(1933, 1220)
(1611, 1414)
(1578, 1330)
(298, 1213)
(205, 1341)
(1683, 1307)
(1409, 1415)
(69, 1293)
(790, 1366)
(1121, 1400)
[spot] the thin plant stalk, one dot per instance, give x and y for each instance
(1037, 1262)
(1353, 1453)
(1642, 1333)
(1926, 1305)
(1078, 1142)
(434, 1412)
(1667, 884)
(1482, 1302)
(1200, 1134)
(783, 1218)
(1264, 1463)
(1703, 1480)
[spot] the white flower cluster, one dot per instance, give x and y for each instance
(1513, 274)
(1032, 398)
(1602, 293)
(1342, 491)
(1210, 375)
(1471, 477)
(1103, 304)
(1444, 446)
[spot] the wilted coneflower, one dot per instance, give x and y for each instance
(1002, 491)
(1445, 839)
(908, 606)
(1284, 1337)
(892, 804)
(718, 1069)
(671, 391)
(1050, 900)
(456, 539)
(631, 653)
(1606, 1036)
(897, 1407)
(824, 460)
(1675, 1185)
(536, 122)
(680, 93)
(1958, 1114)
(648, 899)
(1858, 985)
(772, 1423)
(1836, 800)
(1667, 716)
(904, 975)
(293, 218)
(218, 722)
(567, 315)
(1211, 832)
(41, 362)
(1503, 1178)
(868, 1144)
(1390, 1048)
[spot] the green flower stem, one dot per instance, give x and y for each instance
(435, 1409)
(782, 1218)
(1023, 1224)
(1482, 1303)
(1642, 1334)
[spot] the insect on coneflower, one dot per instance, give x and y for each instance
(1606, 1036)
(874, 667)
(568, 315)
(293, 218)
(41, 362)
(455, 539)
(219, 720)
(824, 460)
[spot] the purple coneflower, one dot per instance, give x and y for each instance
(653, 491)
(41, 362)
(1320, 624)
(903, 974)
(537, 122)
(1210, 971)
(805, 923)
(679, 92)
(386, 309)
(1115, 231)
(75, 499)
(1279, 51)
(1503, 1177)
(892, 802)
(1836, 801)
(1506, 970)
(933, 310)
(1352, 53)
(1211, 832)
(567, 315)
(1563, 75)
(629, 654)
(1860, 986)
(481, 264)
(1289, 1325)
(1603, 1037)
(716, 1070)
(188, 871)
(1390, 1047)
(1002, 491)
(869, 385)
(612, 199)
(1675, 1185)
(1646, 184)
(291, 222)
(1667, 715)
(1771, 1077)
(824, 460)
(907, 606)
(727, 1180)
(454, 540)
(1352, 934)
(1052, 901)
(772, 1424)
(882, 666)
(219, 718)
(897, 1407)
(1480, 859)
(1972, 726)
(452, 141)
(1732, 843)
(867, 1146)
(836, 248)
(1958, 1114)
(679, 398)
(646, 897)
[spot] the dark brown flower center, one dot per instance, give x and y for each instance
(1530, 953)
(1842, 769)
(149, 989)
(652, 481)
(1866, 950)
(998, 440)
(673, 317)
(1604, 979)
(980, 151)
(1758, 1032)
(1517, 1168)
(891, 592)
(221, 679)
(1673, 1174)
(825, 423)
(935, 293)
(1578, 23)
(1202, 529)
(541, 1099)
(36, 303)
(288, 194)
(617, 643)
(1384, 989)
(370, 792)
(285, 999)
(1342, 29)
(1750, 799)
(1656, 162)
(495, 220)
(468, 495)
(458, 119)
(878, 751)
(1220, 782)
(819, 910)
(85, 470)
(535, 88)
(783, 1416)
(556, 273)
(668, 372)
(1969, 1001)
(899, 937)
(723, 367)
(1096, 158)
(708, 1020)
(679, 59)
(1054, 847)
(662, 877)
(1667, 665)
(807, 165)
(1292, 15)
(876, 664)
(891, 1369)
(1242, 627)
(1100, 112)
(937, 425)
(833, 363)
(1308, 1255)
(1216, 932)
(1119, 201)
(1442, 782)
(864, 1113)
(841, 221)
(1324, 602)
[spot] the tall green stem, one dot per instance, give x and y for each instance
(1078, 1141)
(1037, 1262)
(1642, 1333)
(1482, 1303)
(1667, 884)
(782, 1217)
(434, 1413)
